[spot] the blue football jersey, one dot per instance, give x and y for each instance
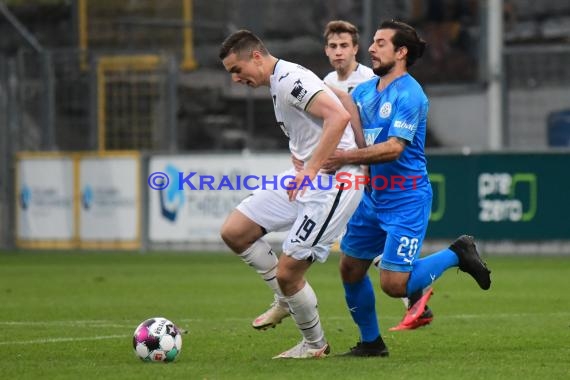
(400, 110)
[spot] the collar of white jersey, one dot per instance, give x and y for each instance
(279, 70)
(273, 77)
(275, 67)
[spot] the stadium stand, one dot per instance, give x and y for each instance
(121, 75)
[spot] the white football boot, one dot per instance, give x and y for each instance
(304, 350)
(272, 317)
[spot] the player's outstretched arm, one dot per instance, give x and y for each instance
(389, 150)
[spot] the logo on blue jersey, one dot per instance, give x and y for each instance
(404, 125)
(370, 135)
(385, 110)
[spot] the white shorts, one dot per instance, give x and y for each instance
(314, 220)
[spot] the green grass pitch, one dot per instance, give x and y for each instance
(72, 315)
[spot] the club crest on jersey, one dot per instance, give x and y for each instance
(370, 135)
(299, 91)
(385, 110)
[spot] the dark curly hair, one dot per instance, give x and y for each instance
(406, 36)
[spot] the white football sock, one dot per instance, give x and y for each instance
(261, 257)
(303, 306)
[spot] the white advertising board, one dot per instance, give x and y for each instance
(44, 210)
(109, 201)
(196, 213)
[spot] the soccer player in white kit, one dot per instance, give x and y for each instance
(313, 206)
(341, 46)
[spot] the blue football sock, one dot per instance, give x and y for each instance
(362, 306)
(428, 269)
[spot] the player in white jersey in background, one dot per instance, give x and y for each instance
(313, 207)
(341, 47)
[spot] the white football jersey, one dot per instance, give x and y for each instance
(360, 74)
(292, 88)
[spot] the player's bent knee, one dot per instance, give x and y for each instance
(239, 232)
(393, 288)
(394, 283)
(234, 238)
(239, 236)
(227, 235)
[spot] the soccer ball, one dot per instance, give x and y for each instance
(157, 340)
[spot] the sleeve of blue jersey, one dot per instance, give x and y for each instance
(405, 121)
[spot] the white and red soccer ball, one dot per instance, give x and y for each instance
(157, 340)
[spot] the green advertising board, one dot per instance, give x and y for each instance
(519, 196)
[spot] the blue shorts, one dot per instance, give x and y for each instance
(398, 234)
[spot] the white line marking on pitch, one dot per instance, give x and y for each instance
(132, 324)
(439, 316)
(57, 340)
(79, 323)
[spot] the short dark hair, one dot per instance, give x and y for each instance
(406, 36)
(240, 42)
(340, 26)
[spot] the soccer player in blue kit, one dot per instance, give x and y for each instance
(393, 217)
